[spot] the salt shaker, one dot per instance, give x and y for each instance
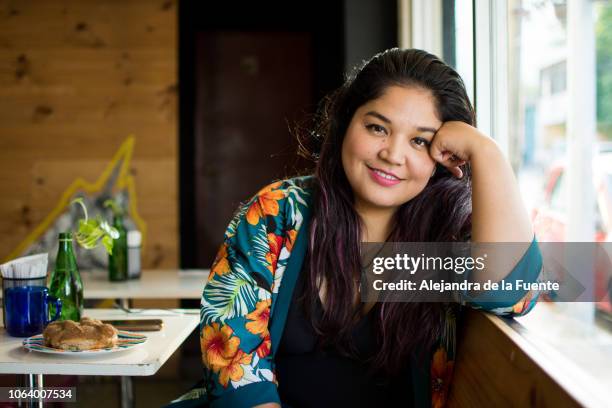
(134, 241)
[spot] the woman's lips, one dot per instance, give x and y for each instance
(379, 177)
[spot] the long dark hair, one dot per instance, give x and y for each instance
(441, 212)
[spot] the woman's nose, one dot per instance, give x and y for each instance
(393, 151)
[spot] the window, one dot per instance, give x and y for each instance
(557, 198)
(552, 79)
(458, 39)
(540, 108)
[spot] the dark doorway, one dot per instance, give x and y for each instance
(251, 85)
(247, 73)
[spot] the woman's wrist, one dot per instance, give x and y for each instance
(484, 147)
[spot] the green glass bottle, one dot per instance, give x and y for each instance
(118, 260)
(66, 281)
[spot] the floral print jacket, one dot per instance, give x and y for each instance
(246, 300)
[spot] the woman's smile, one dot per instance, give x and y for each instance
(386, 179)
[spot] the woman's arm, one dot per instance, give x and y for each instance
(237, 300)
(498, 213)
(235, 308)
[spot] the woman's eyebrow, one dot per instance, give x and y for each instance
(426, 129)
(379, 116)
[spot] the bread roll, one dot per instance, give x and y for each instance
(89, 334)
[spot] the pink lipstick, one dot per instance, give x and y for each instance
(383, 178)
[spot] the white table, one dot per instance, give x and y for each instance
(153, 284)
(141, 361)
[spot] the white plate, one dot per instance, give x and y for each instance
(127, 340)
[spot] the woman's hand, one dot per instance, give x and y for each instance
(498, 213)
(454, 144)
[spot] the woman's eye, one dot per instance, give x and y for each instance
(419, 141)
(377, 129)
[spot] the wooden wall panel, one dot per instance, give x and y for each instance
(76, 79)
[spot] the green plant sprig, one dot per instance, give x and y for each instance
(115, 208)
(93, 231)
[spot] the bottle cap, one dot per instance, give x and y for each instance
(134, 238)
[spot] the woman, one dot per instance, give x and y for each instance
(400, 160)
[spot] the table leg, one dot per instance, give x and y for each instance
(127, 392)
(34, 381)
(127, 389)
(124, 303)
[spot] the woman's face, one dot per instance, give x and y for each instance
(385, 152)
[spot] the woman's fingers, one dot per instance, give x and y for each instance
(452, 145)
(456, 172)
(448, 160)
(436, 152)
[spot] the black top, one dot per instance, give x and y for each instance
(309, 376)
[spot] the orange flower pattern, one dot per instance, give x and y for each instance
(218, 346)
(259, 318)
(221, 264)
(525, 304)
(291, 235)
(265, 204)
(234, 370)
(441, 373)
(265, 347)
(276, 243)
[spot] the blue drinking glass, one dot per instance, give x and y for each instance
(26, 310)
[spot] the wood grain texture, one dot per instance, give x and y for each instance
(492, 371)
(76, 79)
